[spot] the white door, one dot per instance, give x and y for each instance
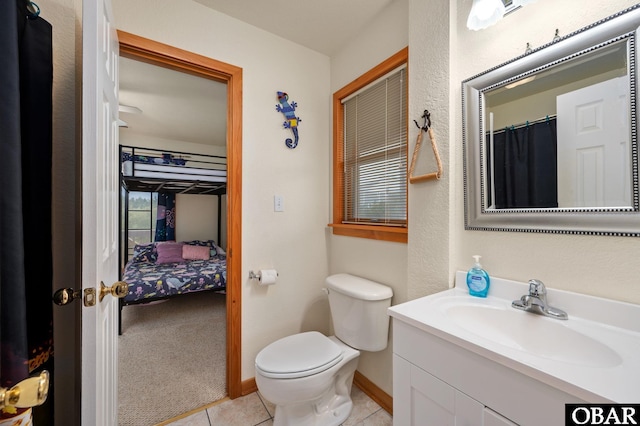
(99, 213)
(594, 152)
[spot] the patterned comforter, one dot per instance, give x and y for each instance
(148, 280)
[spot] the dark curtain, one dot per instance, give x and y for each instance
(26, 271)
(525, 166)
(166, 217)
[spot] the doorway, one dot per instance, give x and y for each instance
(141, 49)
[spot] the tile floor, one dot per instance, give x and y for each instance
(254, 410)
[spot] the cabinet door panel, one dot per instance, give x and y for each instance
(468, 410)
(421, 399)
(491, 418)
(432, 400)
(401, 391)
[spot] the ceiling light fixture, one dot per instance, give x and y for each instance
(517, 3)
(520, 82)
(485, 13)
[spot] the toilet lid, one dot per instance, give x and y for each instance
(299, 355)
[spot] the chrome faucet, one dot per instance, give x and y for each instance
(536, 302)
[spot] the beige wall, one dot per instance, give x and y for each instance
(61, 14)
(380, 261)
(601, 266)
(540, 104)
(430, 64)
(293, 241)
(146, 141)
(197, 217)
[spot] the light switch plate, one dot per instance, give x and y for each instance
(278, 203)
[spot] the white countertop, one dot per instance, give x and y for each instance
(594, 355)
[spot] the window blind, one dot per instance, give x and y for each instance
(375, 153)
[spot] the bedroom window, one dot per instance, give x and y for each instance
(143, 207)
(370, 153)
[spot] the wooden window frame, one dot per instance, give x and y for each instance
(376, 232)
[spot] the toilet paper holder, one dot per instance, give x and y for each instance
(255, 276)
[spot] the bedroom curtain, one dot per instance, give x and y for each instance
(525, 169)
(26, 271)
(166, 217)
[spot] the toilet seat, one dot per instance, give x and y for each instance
(299, 355)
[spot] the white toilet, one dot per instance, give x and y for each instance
(308, 376)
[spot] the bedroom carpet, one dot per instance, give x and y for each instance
(172, 358)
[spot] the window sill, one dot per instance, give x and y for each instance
(383, 233)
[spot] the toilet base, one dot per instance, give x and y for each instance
(287, 416)
(332, 408)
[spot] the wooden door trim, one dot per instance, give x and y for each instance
(142, 49)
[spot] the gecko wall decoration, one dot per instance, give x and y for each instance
(291, 122)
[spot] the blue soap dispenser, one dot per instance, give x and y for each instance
(478, 279)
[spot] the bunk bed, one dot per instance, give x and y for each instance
(153, 170)
(161, 270)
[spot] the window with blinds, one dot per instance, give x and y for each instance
(375, 152)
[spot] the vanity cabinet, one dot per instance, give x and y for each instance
(422, 399)
(491, 418)
(437, 382)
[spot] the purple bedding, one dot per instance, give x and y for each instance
(148, 280)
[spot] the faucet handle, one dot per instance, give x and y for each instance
(537, 288)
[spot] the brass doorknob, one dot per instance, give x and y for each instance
(118, 289)
(28, 393)
(65, 296)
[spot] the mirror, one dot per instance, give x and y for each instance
(550, 138)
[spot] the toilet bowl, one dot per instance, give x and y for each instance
(316, 395)
(308, 376)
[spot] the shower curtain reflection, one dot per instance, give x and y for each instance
(524, 162)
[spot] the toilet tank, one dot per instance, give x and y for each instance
(359, 311)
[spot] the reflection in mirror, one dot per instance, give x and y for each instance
(550, 138)
(560, 137)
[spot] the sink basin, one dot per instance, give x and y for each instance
(594, 355)
(535, 334)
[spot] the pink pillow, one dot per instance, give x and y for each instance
(169, 252)
(190, 252)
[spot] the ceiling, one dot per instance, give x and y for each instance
(320, 25)
(171, 104)
(178, 106)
